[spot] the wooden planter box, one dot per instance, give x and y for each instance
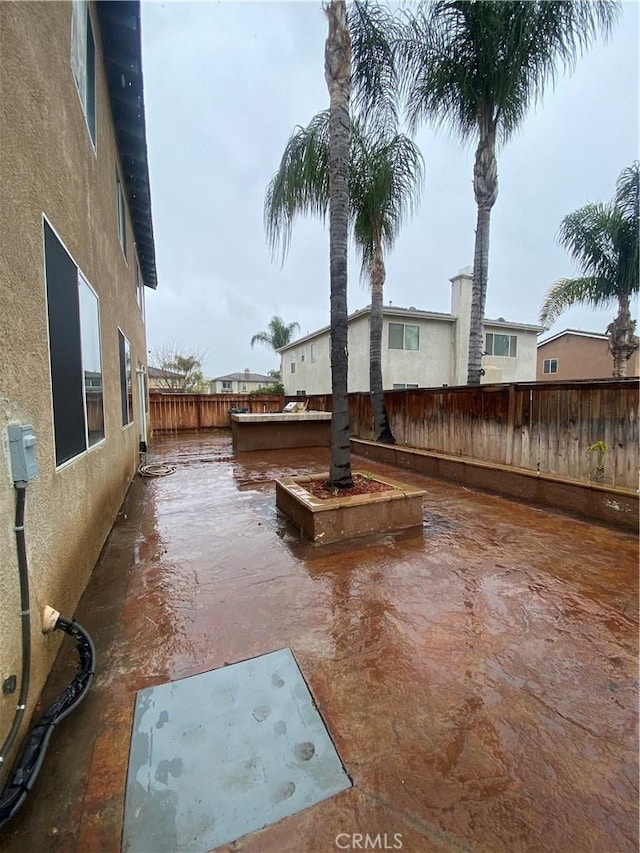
(339, 518)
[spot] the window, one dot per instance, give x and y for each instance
(550, 365)
(226, 385)
(244, 386)
(303, 354)
(312, 353)
(126, 388)
(404, 336)
(139, 289)
(83, 62)
(301, 393)
(397, 386)
(121, 209)
(505, 345)
(74, 350)
(293, 364)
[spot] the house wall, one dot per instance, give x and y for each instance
(522, 368)
(580, 358)
(242, 386)
(49, 167)
(440, 360)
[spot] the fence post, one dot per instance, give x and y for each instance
(511, 415)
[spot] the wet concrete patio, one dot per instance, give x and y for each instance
(478, 676)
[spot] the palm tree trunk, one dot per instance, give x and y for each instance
(381, 428)
(485, 185)
(622, 342)
(338, 76)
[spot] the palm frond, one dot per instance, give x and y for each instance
(567, 292)
(460, 60)
(375, 87)
(301, 184)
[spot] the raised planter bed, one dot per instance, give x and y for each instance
(333, 519)
(278, 430)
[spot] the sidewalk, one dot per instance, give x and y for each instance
(478, 678)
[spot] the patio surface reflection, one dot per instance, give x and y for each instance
(478, 677)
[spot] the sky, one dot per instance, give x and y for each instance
(225, 84)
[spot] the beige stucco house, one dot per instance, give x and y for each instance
(420, 349)
(240, 383)
(574, 354)
(76, 254)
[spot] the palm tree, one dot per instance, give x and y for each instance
(604, 240)
(337, 72)
(279, 334)
(476, 68)
(385, 173)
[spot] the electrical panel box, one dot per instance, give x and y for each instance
(22, 450)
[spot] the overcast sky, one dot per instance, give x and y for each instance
(226, 83)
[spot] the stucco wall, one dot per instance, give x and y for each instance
(522, 368)
(580, 358)
(48, 166)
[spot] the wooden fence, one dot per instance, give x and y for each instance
(546, 427)
(178, 412)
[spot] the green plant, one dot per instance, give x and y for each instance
(600, 448)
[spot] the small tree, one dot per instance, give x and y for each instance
(179, 372)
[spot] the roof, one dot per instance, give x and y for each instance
(121, 45)
(244, 377)
(161, 373)
(577, 332)
(408, 313)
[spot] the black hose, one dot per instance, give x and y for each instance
(23, 573)
(28, 766)
(26, 770)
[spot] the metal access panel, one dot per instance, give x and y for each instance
(221, 754)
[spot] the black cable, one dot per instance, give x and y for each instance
(28, 765)
(32, 756)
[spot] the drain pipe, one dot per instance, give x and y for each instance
(26, 770)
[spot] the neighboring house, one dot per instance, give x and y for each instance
(240, 383)
(163, 380)
(76, 253)
(420, 349)
(573, 354)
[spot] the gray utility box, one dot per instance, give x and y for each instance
(22, 450)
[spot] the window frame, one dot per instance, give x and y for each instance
(404, 327)
(83, 65)
(121, 214)
(513, 344)
(54, 370)
(551, 362)
(126, 390)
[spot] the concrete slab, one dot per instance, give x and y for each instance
(221, 754)
(478, 677)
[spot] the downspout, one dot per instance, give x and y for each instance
(27, 767)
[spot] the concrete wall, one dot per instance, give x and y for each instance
(49, 167)
(580, 357)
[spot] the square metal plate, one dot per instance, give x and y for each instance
(221, 754)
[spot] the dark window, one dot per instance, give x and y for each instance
(550, 365)
(74, 348)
